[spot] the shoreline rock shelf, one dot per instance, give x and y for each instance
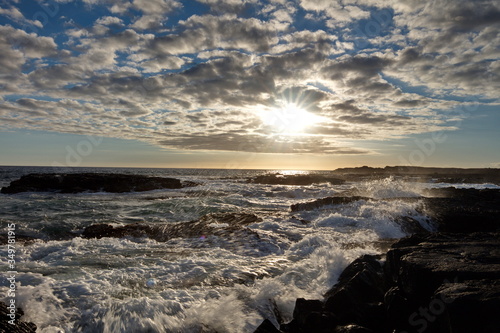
(436, 283)
(443, 282)
(91, 182)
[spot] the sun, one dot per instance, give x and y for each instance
(289, 119)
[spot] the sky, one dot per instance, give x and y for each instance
(301, 84)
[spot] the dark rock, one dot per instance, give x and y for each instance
(309, 316)
(435, 283)
(456, 303)
(464, 210)
(422, 268)
(451, 175)
(444, 283)
(20, 239)
(326, 202)
(352, 329)
(398, 308)
(90, 182)
(267, 327)
(364, 276)
(19, 325)
(410, 226)
(303, 309)
(211, 224)
(359, 293)
(277, 179)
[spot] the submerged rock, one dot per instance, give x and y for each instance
(20, 239)
(318, 203)
(277, 179)
(211, 224)
(91, 182)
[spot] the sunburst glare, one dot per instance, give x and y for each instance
(289, 119)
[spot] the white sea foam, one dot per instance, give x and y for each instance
(389, 187)
(464, 185)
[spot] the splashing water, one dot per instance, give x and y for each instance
(209, 283)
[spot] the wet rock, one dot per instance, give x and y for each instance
(450, 209)
(451, 175)
(436, 283)
(422, 267)
(358, 296)
(398, 308)
(20, 239)
(352, 329)
(222, 224)
(90, 182)
(307, 313)
(19, 325)
(267, 327)
(325, 202)
(410, 226)
(469, 299)
(277, 179)
(464, 210)
(444, 283)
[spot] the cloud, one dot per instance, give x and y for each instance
(199, 33)
(15, 15)
(258, 144)
(336, 13)
(109, 20)
(200, 82)
(30, 44)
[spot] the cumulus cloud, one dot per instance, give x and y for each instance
(15, 15)
(335, 12)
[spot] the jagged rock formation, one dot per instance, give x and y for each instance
(436, 283)
(430, 282)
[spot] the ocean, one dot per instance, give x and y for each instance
(225, 282)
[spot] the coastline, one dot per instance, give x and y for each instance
(464, 219)
(437, 282)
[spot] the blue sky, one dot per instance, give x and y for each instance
(296, 84)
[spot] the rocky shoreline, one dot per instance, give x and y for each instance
(442, 282)
(439, 282)
(446, 281)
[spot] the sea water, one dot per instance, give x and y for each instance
(207, 283)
